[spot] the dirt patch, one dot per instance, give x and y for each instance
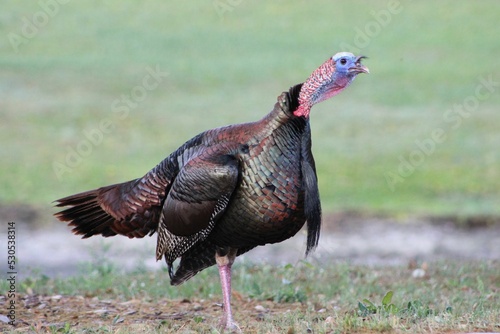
(52, 313)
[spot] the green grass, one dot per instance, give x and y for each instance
(453, 296)
(229, 68)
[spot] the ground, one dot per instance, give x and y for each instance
(41, 312)
(407, 248)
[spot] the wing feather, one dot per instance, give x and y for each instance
(198, 197)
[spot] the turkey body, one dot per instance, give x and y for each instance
(235, 187)
(226, 190)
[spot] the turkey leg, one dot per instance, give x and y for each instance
(225, 258)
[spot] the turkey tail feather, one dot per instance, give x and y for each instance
(102, 211)
(85, 214)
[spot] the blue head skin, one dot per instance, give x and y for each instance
(332, 77)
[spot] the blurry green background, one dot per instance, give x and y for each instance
(65, 66)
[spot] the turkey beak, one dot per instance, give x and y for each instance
(358, 67)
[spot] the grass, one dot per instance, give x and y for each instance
(452, 296)
(228, 68)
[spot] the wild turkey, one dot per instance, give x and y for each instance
(225, 191)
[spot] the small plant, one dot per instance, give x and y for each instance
(414, 308)
(65, 329)
(367, 307)
(289, 294)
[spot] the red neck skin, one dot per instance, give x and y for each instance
(318, 87)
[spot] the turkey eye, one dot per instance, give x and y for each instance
(343, 61)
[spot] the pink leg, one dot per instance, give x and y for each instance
(224, 263)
